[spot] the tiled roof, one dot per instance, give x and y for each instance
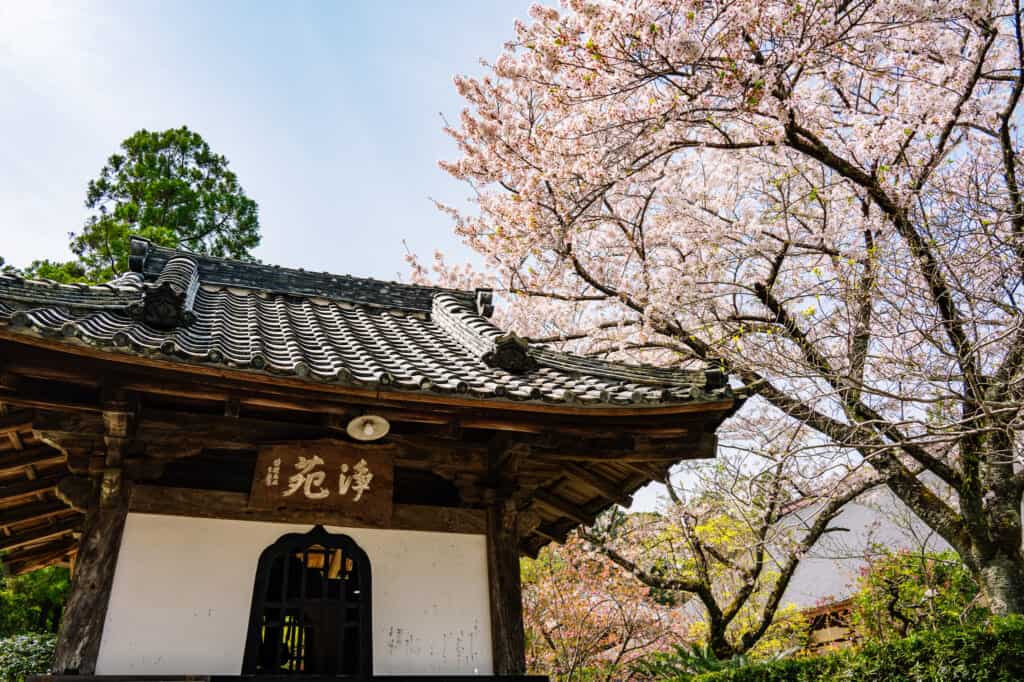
(321, 327)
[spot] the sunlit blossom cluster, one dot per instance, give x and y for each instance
(824, 198)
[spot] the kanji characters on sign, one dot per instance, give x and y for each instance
(310, 478)
(324, 475)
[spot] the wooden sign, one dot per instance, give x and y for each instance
(343, 478)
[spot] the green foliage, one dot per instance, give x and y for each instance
(788, 633)
(168, 187)
(993, 652)
(900, 593)
(33, 602)
(681, 662)
(68, 272)
(24, 655)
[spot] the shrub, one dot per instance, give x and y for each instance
(683, 663)
(33, 602)
(24, 655)
(900, 593)
(992, 652)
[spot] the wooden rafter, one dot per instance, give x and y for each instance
(13, 463)
(13, 422)
(29, 489)
(595, 481)
(36, 511)
(31, 558)
(562, 507)
(42, 533)
(260, 390)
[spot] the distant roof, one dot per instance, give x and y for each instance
(179, 306)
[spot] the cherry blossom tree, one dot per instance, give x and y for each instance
(586, 620)
(822, 197)
(730, 542)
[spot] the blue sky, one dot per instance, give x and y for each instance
(330, 114)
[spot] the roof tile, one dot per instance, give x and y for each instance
(330, 328)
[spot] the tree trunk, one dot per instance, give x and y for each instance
(1002, 583)
(720, 645)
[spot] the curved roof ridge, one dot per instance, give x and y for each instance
(118, 294)
(465, 324)
(508, 351)
(149, 260)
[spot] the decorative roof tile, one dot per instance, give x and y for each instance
(324, 327)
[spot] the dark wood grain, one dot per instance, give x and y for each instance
(81, 627)
(508, 641)
(330, 486)
(151, 499)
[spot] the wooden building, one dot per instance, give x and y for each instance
(262, 471)
(829, 627)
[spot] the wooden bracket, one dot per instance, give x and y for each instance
(78, 492)
(232, 407)
(120, 410)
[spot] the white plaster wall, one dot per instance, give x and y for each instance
(183, 587)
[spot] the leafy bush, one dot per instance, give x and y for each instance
(989, 653)
(682, 661)
(900, 593)
(24, 655)
(33, 602)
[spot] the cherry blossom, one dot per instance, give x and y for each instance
(823, 198)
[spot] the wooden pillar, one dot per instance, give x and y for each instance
(81, 627)
(78, 642)
(508, 642)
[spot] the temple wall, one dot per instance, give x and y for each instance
(183, 587)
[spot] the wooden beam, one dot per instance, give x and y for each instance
(508, 642)
(219, 432)
(562, 507)
(161, 435)
(14, 463)
(558, 530)
(550, 534)
(649, 438)
(598, 483)
(160, 430)
(13, 422)
(46, 531)
(164, 428)
(230, 381)
(419, 452)
(601, 431)
(81, 627)
(78, 492)
(45, 395)
(16, 563)
(667, 455)
(151, 499)
(34, 511)
(13, 492)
